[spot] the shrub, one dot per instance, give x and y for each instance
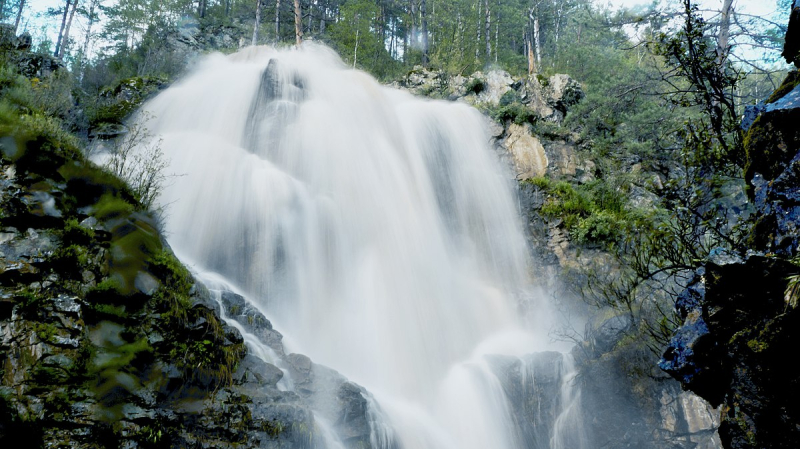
(475, 86)
(515, 112)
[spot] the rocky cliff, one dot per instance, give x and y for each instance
(740, 312)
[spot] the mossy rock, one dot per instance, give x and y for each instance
(771, 143)
(789, 83)
(118, 101)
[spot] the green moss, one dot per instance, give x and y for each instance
(111, 206)
(118, 101)
(273, 428)
(35, 142)
(540, 182)
(45, 331)
(789, 83)
(70, 259)
(172, 299)
(110, 311)
(29, 299)
(770, 143)
(757, 345)
(73, 232)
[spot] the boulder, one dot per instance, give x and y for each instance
(529, 156)
(496, 83)
(563, 92)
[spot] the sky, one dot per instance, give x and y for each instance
(762, 8)
(755, 7)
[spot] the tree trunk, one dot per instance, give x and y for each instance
(255, 25)
(529, 51)
(19, 14)
(277, 20)
(298, 28)
(424, 18)
(496, 35)
(355, 50)
(537, 41)
(61, 31)
(65, 39)
(478, 35)
(723, 40)
(413, 30)
(488, 29)
(88, 30)
(309, 30)
(559, 13)
(201, 8)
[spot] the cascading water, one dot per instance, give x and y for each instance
(377, 230)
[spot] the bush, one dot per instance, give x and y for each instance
(137, 159)
(593, 213)
(515, 112)
(475, 86)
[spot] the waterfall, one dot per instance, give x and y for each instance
(378, 230)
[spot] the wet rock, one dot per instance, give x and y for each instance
(777, 203)
(532, 385)
(353, 422)
(252, 320)
(729, 349)
(255, 371)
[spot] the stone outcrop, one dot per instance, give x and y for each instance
(16, 50)
(528, 154)
(740, 311)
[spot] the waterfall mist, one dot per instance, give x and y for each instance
(378, 231)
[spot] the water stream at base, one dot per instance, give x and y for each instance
(377, 229)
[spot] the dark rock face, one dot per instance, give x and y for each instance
(532, 384)
(740, 312)
(731, 350)
(107, 341)
(791, 47)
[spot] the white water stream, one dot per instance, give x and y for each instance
(376, 229)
